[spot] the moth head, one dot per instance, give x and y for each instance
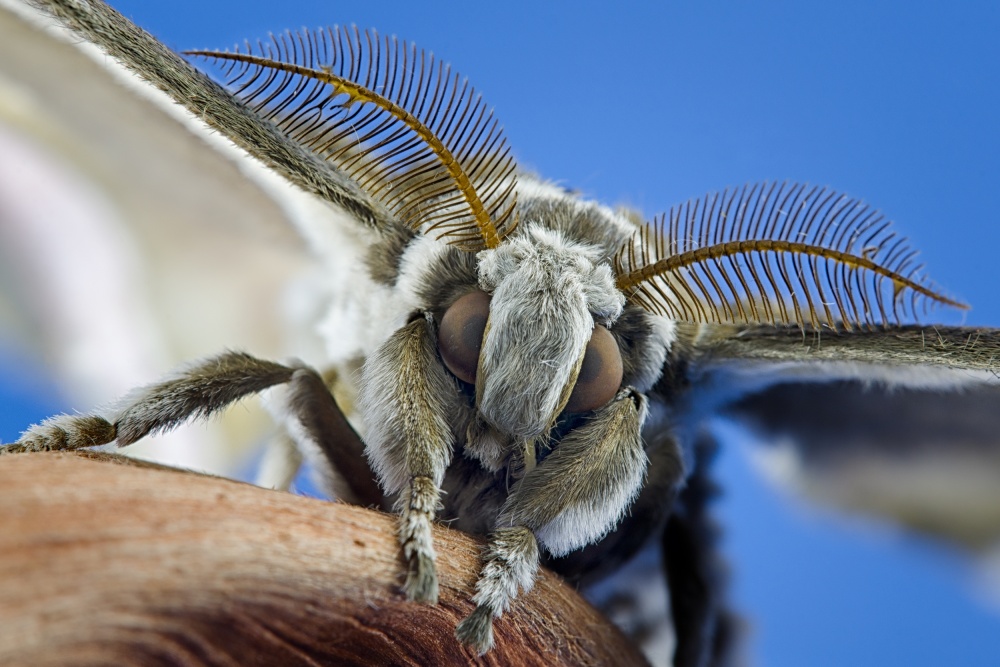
(534, 340)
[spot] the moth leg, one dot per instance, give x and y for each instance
(511, 564)
(316, 429)
(418, 505)
(405, 396)
(63, 432)
(198, 390)
(573, 498)
(695, 572)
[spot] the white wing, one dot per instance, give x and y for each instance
(134, 237)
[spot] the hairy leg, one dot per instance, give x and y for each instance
(316, 428)
(198, 390)
(510, 565)
(407, 398)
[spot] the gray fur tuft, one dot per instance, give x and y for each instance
(487, 445)
(547, 293)
(418, 505)
(584, 487)
(511, 565)
(405, 395)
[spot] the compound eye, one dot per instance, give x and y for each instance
(600, 375)
(460, 336)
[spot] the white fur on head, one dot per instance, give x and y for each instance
(547, 293)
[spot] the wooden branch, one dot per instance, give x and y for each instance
(130, 565)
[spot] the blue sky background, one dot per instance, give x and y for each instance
(648, 104)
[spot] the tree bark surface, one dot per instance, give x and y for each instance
(138, 565)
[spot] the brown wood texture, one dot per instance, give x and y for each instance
(134, 565)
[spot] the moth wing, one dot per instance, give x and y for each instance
(901, 423)
(133, 237)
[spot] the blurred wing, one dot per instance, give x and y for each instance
(133, 236)
(903, 423)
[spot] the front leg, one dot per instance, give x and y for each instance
(198, 390)
(406, 395)
(511, 563)
(571, 499)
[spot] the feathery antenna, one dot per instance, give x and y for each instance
(775, 254)
(411, 133)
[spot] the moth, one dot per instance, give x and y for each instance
(532, 354)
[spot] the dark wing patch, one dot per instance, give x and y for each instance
(927, 459)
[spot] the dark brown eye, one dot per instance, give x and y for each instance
(460, 336)
(600, 375)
